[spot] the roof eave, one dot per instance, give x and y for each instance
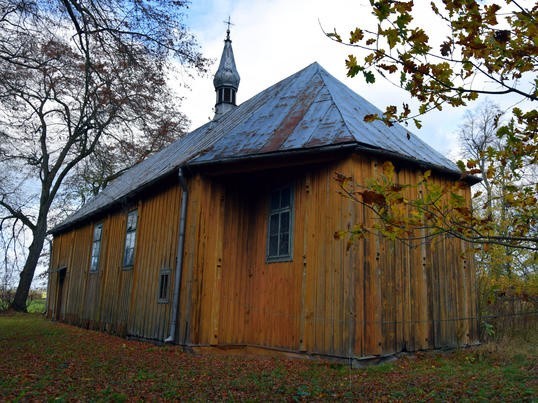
(338, 147)
(421, 164)
(273, 154)
(66, 224)
(193, 163)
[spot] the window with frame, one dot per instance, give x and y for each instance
(130, 238)
(164, 286)
(96, 247)
(279, 233)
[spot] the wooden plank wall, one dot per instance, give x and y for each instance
(61, 252)
(379, 297)
(228, 298)
(115, 299)
(76, 276)
(112, 276)
(155, 251)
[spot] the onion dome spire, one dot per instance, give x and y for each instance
(226, 80)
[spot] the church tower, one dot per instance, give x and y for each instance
(226, 79)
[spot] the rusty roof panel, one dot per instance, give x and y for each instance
(310, 109)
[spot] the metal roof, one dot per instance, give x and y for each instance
(308, 110)
(313, 109)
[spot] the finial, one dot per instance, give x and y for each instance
(228, 30)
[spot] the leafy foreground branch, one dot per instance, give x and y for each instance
(489, 49)
(421, 211)
(46, 361)
(486, 48)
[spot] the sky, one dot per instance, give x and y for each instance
(273, 39)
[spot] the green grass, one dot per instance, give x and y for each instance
(49, 361)
(36, 306)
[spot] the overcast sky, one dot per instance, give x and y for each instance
(273, 39)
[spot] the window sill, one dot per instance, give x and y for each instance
(279, 259)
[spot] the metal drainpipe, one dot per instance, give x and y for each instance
(179, 257)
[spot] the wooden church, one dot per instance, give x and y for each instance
(226, 237)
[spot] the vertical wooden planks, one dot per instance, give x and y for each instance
(216, 261)
(76, 276)
(305, 310)
(156, 250)
(378, 297)
(372, 290)
(310, 265)
(190, 291)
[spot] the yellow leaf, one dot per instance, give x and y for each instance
(388, 169)
(370, 118)
(356, 35)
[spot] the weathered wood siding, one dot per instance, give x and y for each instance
(117, 299)
(379, 297)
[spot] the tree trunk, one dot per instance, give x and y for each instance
(27, 273)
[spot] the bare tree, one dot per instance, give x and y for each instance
(477, 134)
(78, 76)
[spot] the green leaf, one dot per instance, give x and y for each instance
(381, 9)
(422, 108)
(403, 20)
(352, 67)
(392, 37)
(403, 78)
(369, 76)
(334, 35)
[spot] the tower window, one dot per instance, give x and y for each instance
(226, 95)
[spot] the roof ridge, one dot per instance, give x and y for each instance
(322, 72)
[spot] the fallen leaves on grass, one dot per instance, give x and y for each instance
(43, 360)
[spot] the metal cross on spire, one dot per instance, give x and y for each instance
(228, 30)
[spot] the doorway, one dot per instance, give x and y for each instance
(59, 292)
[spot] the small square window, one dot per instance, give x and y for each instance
(164, 286)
